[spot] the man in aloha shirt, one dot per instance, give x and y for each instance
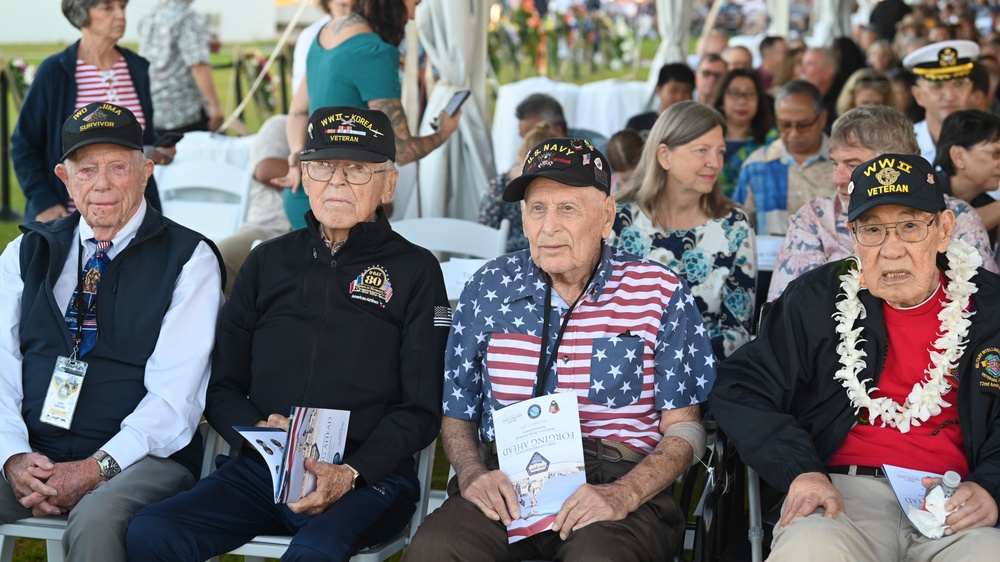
(819, 232)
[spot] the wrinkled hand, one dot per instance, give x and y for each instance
(332, 482)
(52, 213)
(970, 507)
(276, 421)
(447, 124)
(72, 480)
(293, 178)
(807, 492)
(590, 504)
(492, 493)
(27, 473)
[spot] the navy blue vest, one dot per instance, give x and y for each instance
(135, 293)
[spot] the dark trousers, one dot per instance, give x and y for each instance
(236, 503)
(459, 531)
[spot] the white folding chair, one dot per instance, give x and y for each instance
(205, 195)
(455, 236)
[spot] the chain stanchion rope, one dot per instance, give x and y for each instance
(264, 70)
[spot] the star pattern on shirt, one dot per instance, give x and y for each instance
(503, 304)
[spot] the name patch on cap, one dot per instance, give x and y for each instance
(886, 174)
(346, 127)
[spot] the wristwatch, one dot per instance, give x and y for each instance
(359, 481)
(109, 466)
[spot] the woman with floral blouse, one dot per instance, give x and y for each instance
(673, 212)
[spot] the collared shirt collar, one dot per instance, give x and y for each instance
(821, 156)
(124, 236)
(537, 281)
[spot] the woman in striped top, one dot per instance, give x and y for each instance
(94, 69)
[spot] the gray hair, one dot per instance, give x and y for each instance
(678, 125)
(879, 128)
(799, 88)
(78, 11)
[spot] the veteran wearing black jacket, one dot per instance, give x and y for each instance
(889, 358)
(342, 314)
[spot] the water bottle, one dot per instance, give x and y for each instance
(948, 484)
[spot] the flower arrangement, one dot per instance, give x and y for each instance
(21, 75)
(559, 41)
(253, 63)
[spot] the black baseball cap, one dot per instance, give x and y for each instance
(349, 133)
(568, 161)
(894, 179)
(101, 122)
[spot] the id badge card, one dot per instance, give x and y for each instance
(64, 391)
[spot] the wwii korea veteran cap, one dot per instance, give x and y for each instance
(944, 60)
(569, 161)
(894, 179)
(349, 133)
(100, 122)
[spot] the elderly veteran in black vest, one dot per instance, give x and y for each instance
(107, 321)
(891, 357)
(343, 314)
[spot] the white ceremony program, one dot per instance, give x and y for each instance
(541, 452)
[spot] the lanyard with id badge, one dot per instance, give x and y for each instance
(67, 377)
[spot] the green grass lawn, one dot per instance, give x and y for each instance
(34, 550)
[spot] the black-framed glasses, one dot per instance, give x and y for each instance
(356, 174)
(788, 126)
(912, 230)
(741, 94)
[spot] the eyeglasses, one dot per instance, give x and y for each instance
(741, 95)
(907, 231)
(992, 152)
(356, 174)
(788, 126)
(709, 74)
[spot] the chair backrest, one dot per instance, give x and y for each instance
(455, 236)
(207, 196)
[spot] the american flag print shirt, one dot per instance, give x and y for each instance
(635, 345)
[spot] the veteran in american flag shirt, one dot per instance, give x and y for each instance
(623, 333)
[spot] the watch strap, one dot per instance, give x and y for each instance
(108, 465)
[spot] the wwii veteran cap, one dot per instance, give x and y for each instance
(894, 179)
(568, 161)
(100, 122)
(349, 133)
(944, 60)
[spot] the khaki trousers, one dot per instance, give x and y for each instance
(459, 531)
(874, 528)
(95, 530)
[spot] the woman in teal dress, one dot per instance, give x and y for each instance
(354, 61)
(673, 212)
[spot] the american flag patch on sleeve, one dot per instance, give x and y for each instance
(442, 316)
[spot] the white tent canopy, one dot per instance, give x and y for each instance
(451, 178)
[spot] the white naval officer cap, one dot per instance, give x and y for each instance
(944, 60)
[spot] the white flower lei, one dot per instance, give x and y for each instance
(925, 400)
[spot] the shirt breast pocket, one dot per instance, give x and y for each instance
(616, 371)
(511, 364)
